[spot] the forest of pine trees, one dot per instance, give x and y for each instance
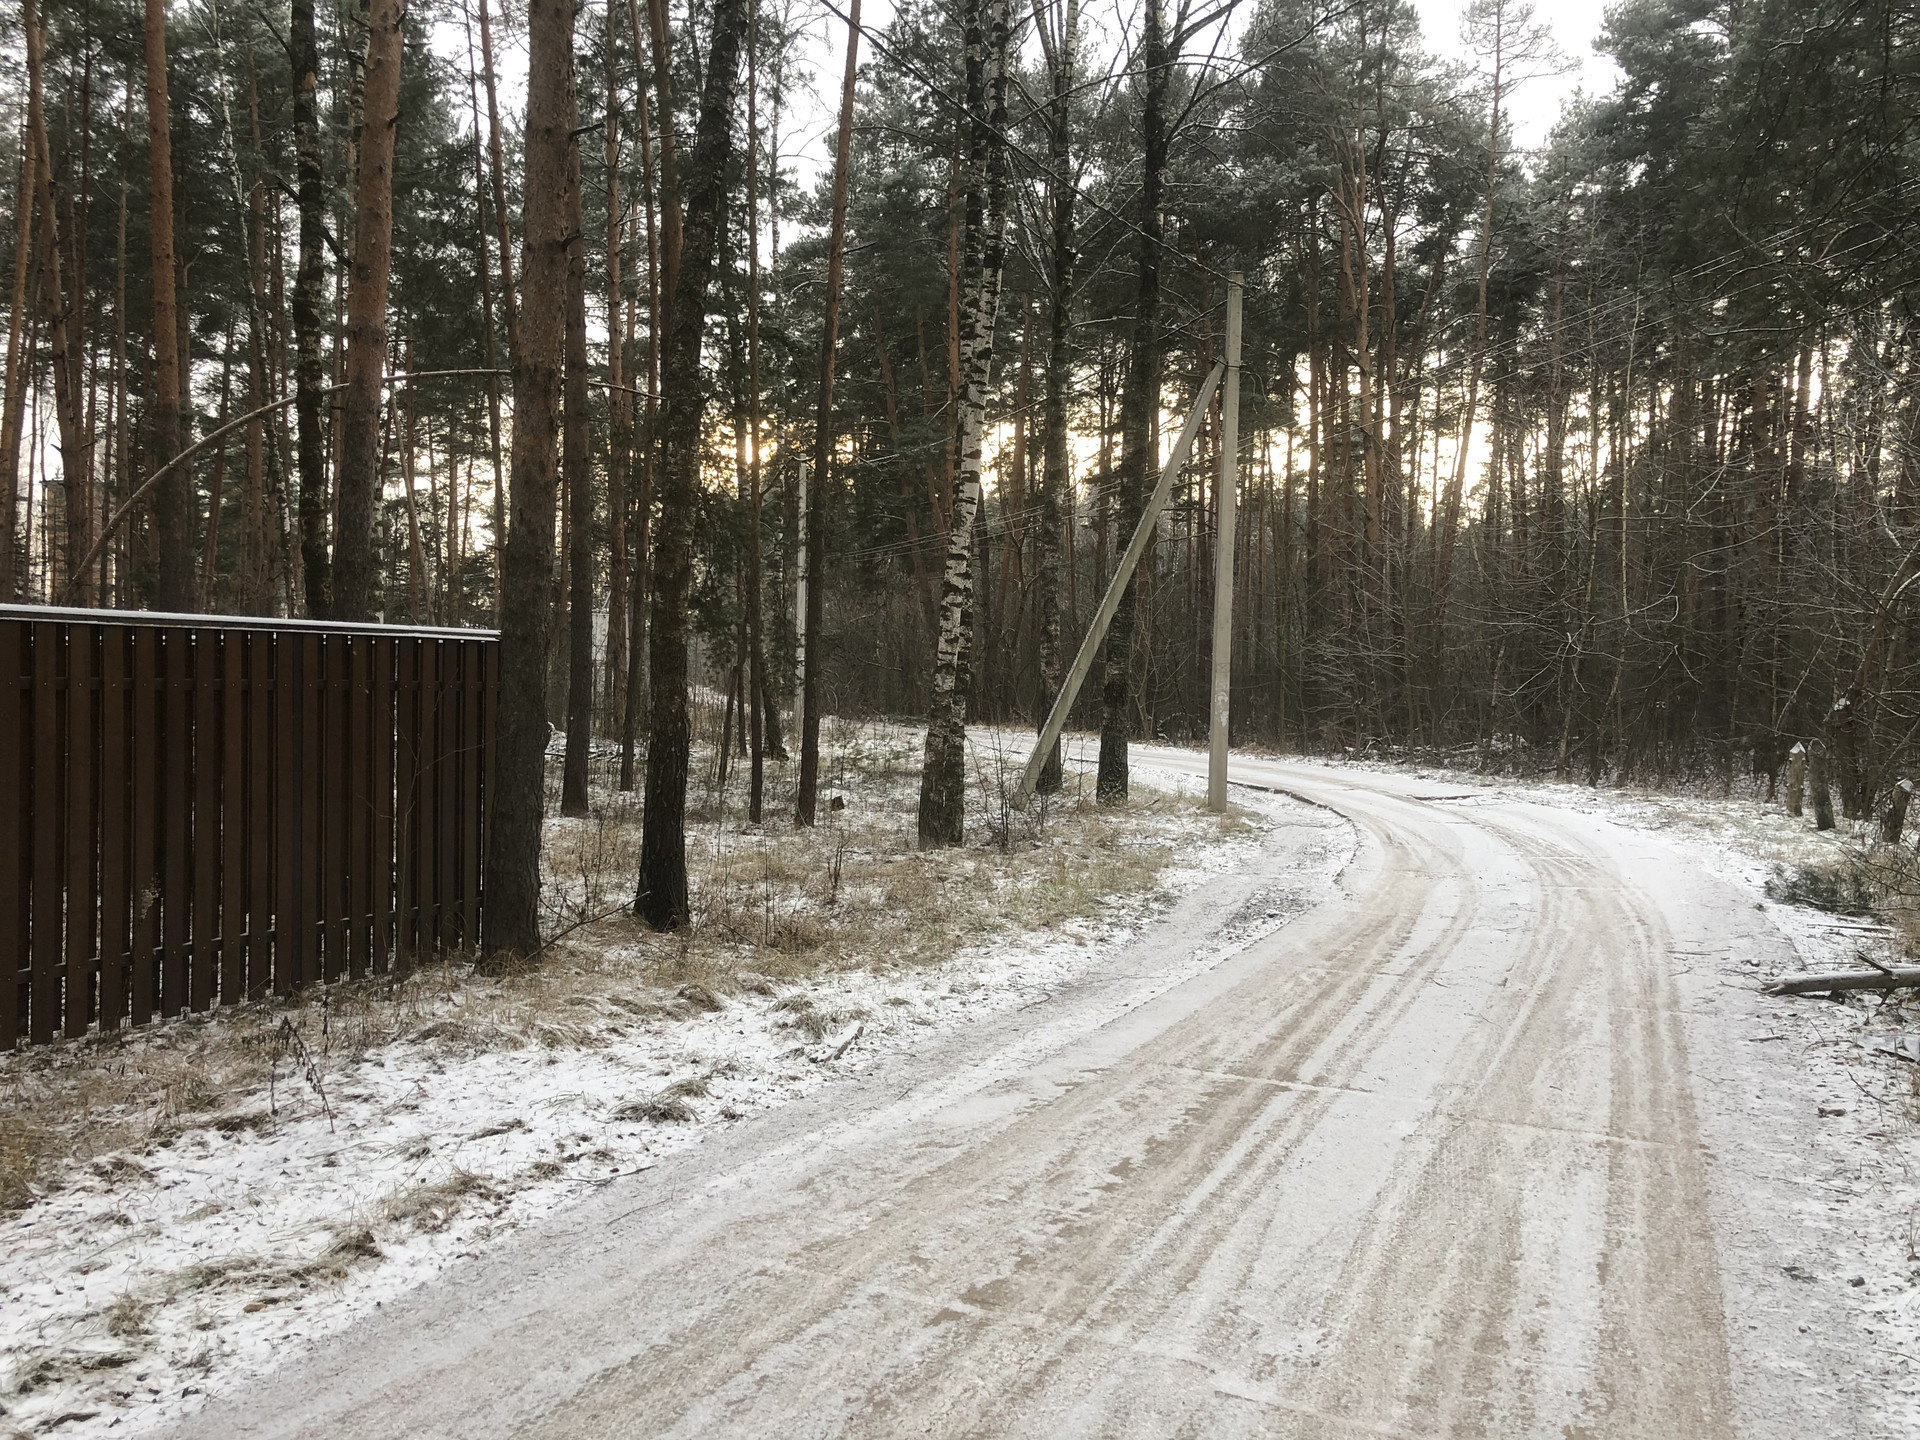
(654, 376)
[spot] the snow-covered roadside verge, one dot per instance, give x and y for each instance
(1825, 1116)
(222, 1244)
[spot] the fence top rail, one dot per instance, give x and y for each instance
(77, 616)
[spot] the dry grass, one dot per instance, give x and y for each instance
(773, 905)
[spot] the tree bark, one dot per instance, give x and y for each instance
(509, 301)
(513, 860)
(61, 304)
(13, 406)
(491, 343)
(355, 571)
(756, 654)
(578, 460)
(671, 220)
(172, 501)
(643, 501)
(809, 788)
(943, 775)
(1819, 781)
(308, 280)
(1056, 494)
(662, 898)
(1138, 403)
(619, 410)
(256, 582)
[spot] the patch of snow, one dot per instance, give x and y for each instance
(1855, 1191)
(150, 1276)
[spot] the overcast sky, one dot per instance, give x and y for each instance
(1574, 23)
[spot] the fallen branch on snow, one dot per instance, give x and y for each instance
(1894, 977)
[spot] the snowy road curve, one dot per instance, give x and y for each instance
(1433, 1159)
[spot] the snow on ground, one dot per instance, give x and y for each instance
(218, 1246)
(1857, 1197)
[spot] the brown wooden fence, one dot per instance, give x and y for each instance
(199, 810)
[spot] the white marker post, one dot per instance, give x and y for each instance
(1228, 485)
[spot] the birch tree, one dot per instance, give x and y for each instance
(987, 31)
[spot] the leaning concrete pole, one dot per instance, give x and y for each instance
(1217, 732)
(1103, 617)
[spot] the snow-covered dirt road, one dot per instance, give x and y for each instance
(1473, 1147)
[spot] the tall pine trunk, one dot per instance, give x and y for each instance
(756, 650)
(1056, 490)
(309, 278)
(1139, 397)
(662, 898)
(61, 304)
(809, 788)
(943, 774)
(578, 461)
(172, 502)
(546, 235)
(644, 451)
(619, 409)
(355, 574)
(13, 405)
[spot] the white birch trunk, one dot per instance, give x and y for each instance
(943, 776)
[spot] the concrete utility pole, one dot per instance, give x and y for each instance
(1103, 617)
(1228, 485)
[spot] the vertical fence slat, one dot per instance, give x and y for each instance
(471, 754)
(447, 796)
(381, 738)
(288, 830)
(205, 969)
(335, 807)
(452, 678)
(16, 818)
(48, 832)
(260, 831)
(428, 828)
(113, 827)
(149, 689)
(176, 817)
(359, 705)
(233, 819)
(313, 857)
(80, 871)
(489, 723)
(406, 793)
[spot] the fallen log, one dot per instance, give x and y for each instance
(1886, 977)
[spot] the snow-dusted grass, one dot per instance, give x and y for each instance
(199, 1200)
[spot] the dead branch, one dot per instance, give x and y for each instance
(1897, 977)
